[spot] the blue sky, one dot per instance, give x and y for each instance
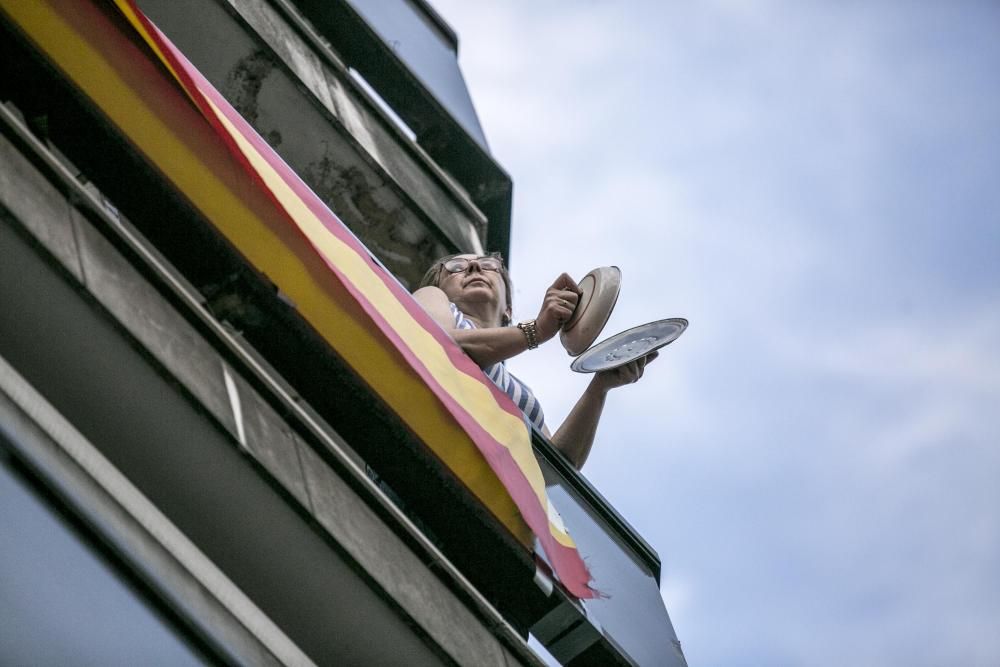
(815, 186)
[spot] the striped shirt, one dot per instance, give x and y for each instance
(519, 392)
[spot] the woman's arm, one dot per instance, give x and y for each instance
(490, 345)
(486, 346)
(576, 435)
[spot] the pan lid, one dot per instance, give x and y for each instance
(600, 290)
(629, 345)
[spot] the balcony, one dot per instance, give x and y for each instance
(301, 97)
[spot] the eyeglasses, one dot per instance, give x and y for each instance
(460, 264)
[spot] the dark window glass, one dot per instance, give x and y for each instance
(62, 603)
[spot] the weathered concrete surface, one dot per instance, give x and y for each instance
(328, 80)
(31, 199)
(268, 438)
(380, 184)
(145, 314)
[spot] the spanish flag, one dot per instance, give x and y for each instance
(245, 189)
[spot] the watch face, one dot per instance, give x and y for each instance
(629, 345)
(600, 290)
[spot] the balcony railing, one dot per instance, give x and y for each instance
(630, 614)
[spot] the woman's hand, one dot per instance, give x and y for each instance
(627, 374)
(557, 307)
(576, 435)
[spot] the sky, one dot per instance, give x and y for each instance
(814, 185)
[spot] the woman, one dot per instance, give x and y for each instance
(470, 297)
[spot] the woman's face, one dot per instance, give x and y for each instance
(476, 286)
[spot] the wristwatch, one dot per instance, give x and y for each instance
(530, 332)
